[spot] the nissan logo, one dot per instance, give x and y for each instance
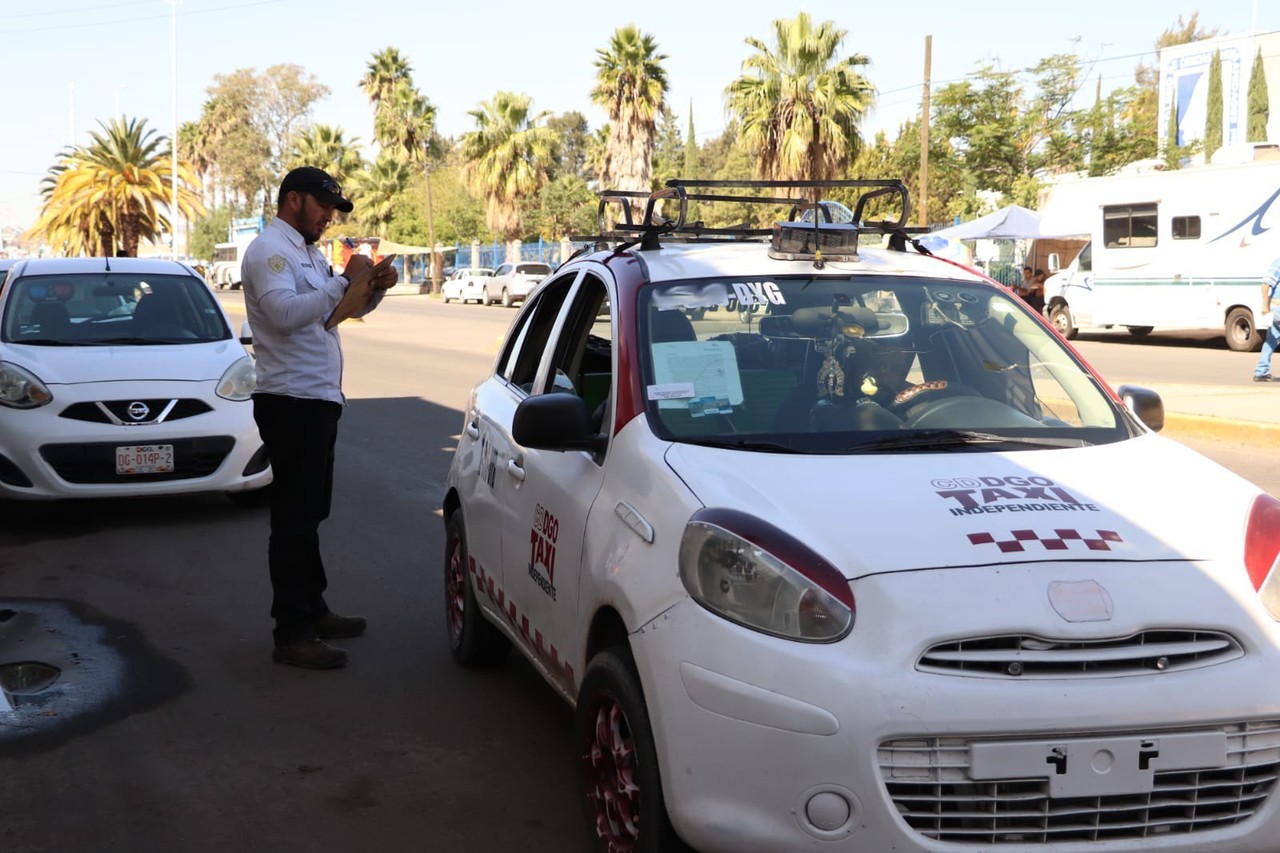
(138, 410)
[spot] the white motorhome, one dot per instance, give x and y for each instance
(1182, 249)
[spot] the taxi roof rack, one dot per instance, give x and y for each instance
(653, 226)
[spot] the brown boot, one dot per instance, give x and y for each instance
(311, 653)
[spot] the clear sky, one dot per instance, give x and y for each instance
(70, 63)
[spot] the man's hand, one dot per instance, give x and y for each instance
(357, 265)
(385, 278)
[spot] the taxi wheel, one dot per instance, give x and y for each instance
(621, 782)
(473, 640)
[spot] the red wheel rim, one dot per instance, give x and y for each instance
(455, 587)
(612, 791)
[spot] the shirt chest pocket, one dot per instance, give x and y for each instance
(313, 276)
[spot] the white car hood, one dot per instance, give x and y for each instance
(163, 362)
(1131, 500)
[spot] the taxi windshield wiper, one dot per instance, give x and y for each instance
(946, 439)
(44, 342)
(745, 444)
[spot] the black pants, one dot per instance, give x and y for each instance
(300, 436)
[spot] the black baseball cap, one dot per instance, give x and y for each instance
(317, 182)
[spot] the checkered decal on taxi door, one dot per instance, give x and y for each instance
(1061, 540)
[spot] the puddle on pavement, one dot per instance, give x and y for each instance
(67, 669)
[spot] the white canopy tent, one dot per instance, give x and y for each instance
(1010, 223)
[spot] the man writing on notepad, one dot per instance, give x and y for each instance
(290, 292)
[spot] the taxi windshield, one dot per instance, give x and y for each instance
(862, 364)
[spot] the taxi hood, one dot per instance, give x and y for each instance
(194, 362)
(872, 513)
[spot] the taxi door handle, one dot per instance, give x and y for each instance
(515, 467)
(473, 431)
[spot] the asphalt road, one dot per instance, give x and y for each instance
(188, 738)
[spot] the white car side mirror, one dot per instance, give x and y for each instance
(246, 334)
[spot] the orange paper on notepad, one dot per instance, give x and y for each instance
(358, 294)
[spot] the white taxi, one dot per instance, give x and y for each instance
(880, 565)
(122, 377)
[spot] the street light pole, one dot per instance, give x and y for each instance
(173, 142)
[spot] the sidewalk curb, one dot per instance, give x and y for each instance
(1203, 426)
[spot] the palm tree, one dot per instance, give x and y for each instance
(108, 195)
(385, 70)
(375, 191)
(323, 145)
(506, 158)
(405, 122)
(800, 106)
(631, 85)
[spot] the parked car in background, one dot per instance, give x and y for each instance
(513, 283)
(884, 566)
(6, 264)
(122, 376)
(466, 285)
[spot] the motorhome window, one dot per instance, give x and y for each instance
(1186, 227)
(1085, 262)
(1129, 226)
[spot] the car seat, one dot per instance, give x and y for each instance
(50, 319)
(670, 327)
(160, 313)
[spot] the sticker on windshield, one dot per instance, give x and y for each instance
(711, 367)
(671, 391)
(758, 293)
(704, 406)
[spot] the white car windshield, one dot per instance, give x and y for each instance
(820, 364)
(108, 308)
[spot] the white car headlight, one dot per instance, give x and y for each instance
(762, 578)
(239, 380)
(21, 389)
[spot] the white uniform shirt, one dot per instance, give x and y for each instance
(289, 292)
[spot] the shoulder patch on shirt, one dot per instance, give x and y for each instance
(277, 263)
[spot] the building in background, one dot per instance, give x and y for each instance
(1184, 85)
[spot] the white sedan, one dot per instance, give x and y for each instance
(466, 285)
(122, 376)
(883, 565)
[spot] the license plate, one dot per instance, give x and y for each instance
(144, 459)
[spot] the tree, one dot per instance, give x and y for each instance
(375, 192)
(566, 206)
(324, 146)
(1259, 102)
(987, 127)
(383, 72)
(1213, 111)
(106, 197)
(631, 87)
(798, 104)
(668, 148)
(252, 119)
(506, 158)
(571, 155)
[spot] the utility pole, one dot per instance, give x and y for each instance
(924, 135)
(173, 142)
(433, 286)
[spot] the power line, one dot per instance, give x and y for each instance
(73, 11)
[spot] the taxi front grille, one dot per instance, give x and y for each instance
(96, 463)
(1028, 657)
(127, 412)
(928, 781)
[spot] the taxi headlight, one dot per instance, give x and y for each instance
(21, 389)
(730, 563)
(239, 380)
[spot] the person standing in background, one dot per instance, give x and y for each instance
(1271, 316)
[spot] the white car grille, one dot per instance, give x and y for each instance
(928, 781)
(1024, 656)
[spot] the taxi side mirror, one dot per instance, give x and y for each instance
(556, 421)
(1145, 404)
(246, 334)
(1055, 263)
